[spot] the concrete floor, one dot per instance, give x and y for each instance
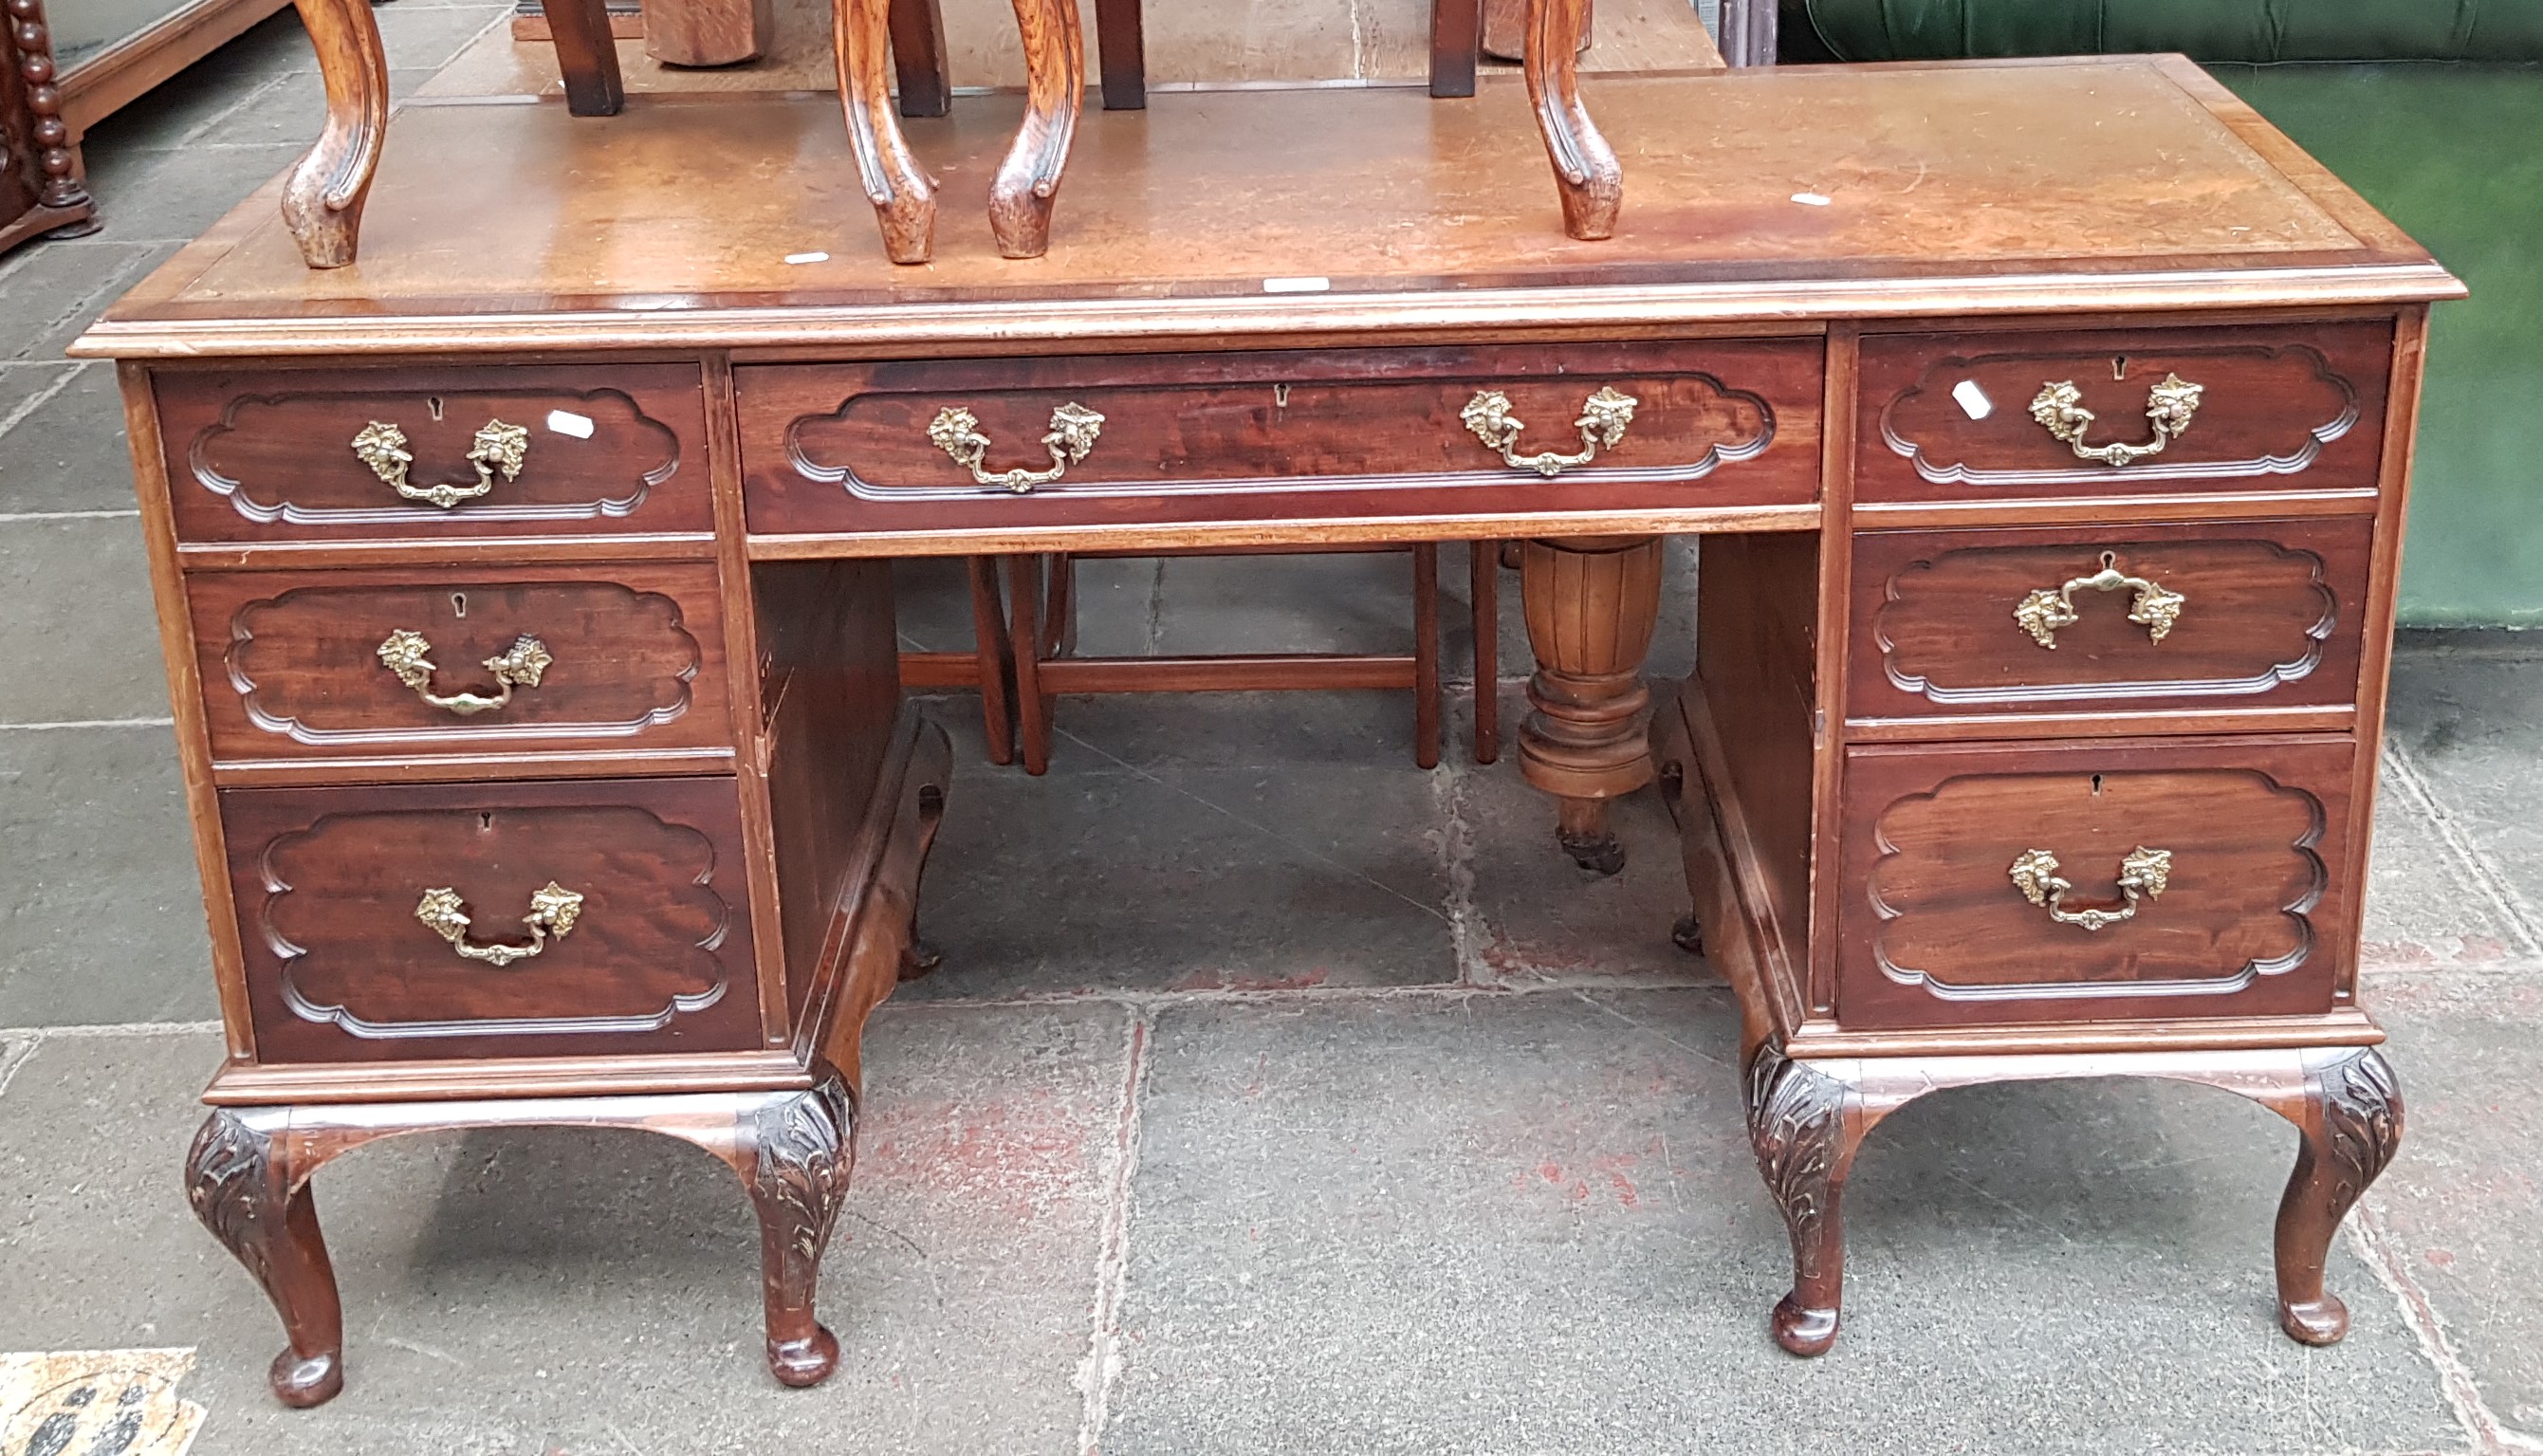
(1275, 1096)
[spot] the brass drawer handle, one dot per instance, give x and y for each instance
(553, 908)
(497, 448)
(1073, 428)
(410, 657)
(2142, 876)
(2155, 609)
(2059, 408)
(1601, 424)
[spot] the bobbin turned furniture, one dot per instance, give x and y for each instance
(40, 189)
(2020, 743)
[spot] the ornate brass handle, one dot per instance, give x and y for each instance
(1601, 424)
(499, 447)
(2142, 876)
(2059, 408)
(1073, 428)
(410, 657)
(2155, 609)
(551, 908)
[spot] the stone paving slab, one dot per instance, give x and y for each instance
(1531, 1223)
(2467, 717)
(553, 1290)
(2460, 1212)
(66, 452)
(1184, 879)
(104, 917)
(83, 642)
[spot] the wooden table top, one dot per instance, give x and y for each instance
(1752, 199)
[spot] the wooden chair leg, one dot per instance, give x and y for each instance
(587, 56)
(1426, 655)
(1033, 709)
(1748, 32)
(1585, 173)
(1484, 568)
(1027, 187)
(992, 651)
(1121, 48)
(1456, 36)
(1059, 608)
(904, 198)
(918, 57)
(322, 203)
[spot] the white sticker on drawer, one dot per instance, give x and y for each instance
(562, 421)
(1973, 401)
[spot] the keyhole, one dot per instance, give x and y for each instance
(1281, 396)
(460, 600)
(2118, 366)
(486, 822)
(435, 405)
(2110, 561)
(2097, 783)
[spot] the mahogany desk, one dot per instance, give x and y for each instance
(2048, 427)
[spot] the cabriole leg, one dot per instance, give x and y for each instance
(1026, 188)
(322, 202)
(244, 1188)
(1804, 1142)
(2351, 1123)
(904, 198)
(1585, 173)
(799, 1149)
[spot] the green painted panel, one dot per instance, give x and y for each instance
(2454, 155)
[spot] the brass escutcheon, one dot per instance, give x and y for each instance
(2155, 608)
(498, 448)
(1601, 424)
(1073, 431)
(2060, 409)
(551, 908)
(410, 657)
(2143, 874)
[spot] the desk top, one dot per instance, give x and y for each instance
(1768, 197)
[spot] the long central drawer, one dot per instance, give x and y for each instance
(926, 445)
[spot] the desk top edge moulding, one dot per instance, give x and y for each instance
(523, 583)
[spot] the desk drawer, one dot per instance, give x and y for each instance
(315, 454)
(1278, 435)
(2256, 614)
(1956, 416)
(353, 952)
(2251, 914)
(333, 664)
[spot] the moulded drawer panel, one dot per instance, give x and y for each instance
(343, 964)
(2238, 849)
(315, 454)
(310, 666)
(1956, 416)
(2078, 620)
(1239, 436)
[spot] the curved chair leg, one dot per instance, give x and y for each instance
(2350, 1119)
(322, 203)
(241, 1180)
(904, 198)
(1027, 182)
(1584, 167)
